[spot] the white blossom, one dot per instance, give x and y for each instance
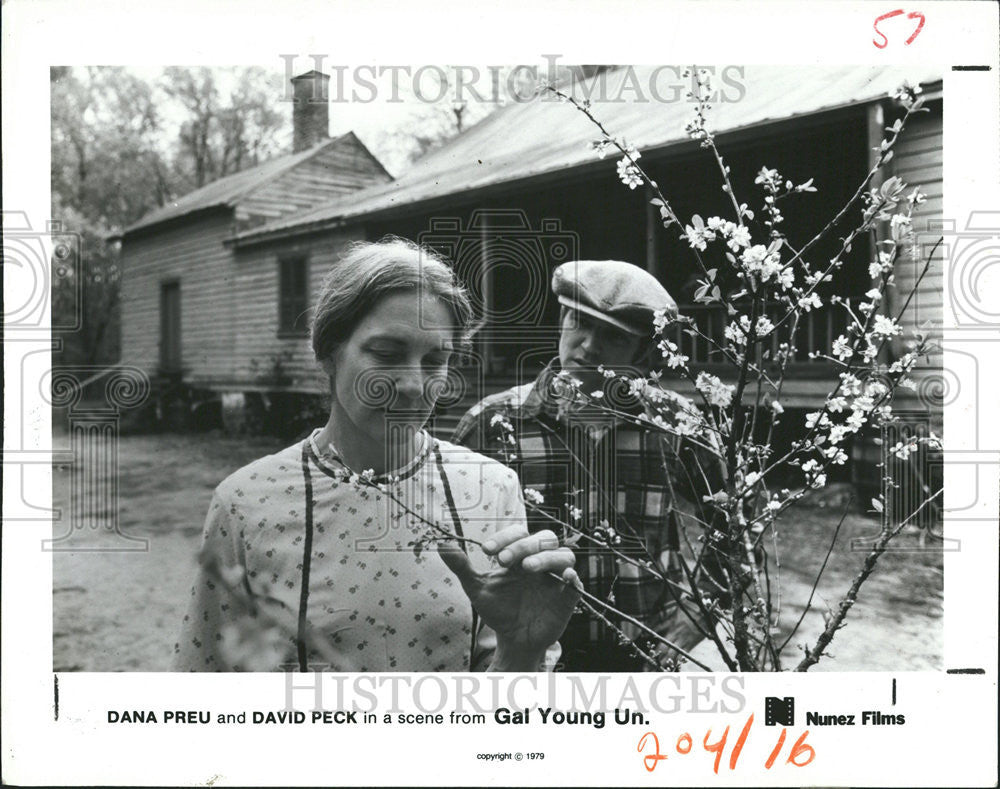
(736, 331)
(835, 455)
(629, 174)
(885, 326)
(850, 384)
(808, 302)
(771, 179)
(688, 423)
(675, 360)
(881, 266)
(757, 260)
(695, 238)
(842, 348)
(838, 433)
(716, 392)
(817, 417)
(836, 404)
(863, 403)
(764, 326)
(601, 147)
(739, 238)
(876, 389)
(856, 420)
(534, 496)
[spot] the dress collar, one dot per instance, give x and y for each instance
(330, 462)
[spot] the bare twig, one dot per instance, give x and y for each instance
(819, 575)
(813, 655)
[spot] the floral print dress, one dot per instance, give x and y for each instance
(306, 566)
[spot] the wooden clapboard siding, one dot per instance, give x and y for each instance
(257, 342)
(193, 255)
(341, 167)
(229, 314)
(918, 161)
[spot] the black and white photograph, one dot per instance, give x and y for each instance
(356, 361)
(342, 372)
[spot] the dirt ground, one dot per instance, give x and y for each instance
(118, 610)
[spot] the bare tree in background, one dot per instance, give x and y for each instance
(117, 154)
(223, 134)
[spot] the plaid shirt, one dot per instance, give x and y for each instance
(641, 483)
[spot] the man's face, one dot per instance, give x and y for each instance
(585, 343)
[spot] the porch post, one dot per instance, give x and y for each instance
(486, 287)
(875, 134)
(652, 222)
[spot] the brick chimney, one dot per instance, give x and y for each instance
(310, 110)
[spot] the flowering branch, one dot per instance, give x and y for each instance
(776, 287)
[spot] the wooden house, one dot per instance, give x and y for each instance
(514, 196)
(520, 192)
(183, 313)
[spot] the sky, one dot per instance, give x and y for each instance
(382, 110)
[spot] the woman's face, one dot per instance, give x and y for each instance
(391, 369)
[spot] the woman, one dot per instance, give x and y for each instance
(315, 557)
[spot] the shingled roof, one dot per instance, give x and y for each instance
(524, 140)
(230, 189)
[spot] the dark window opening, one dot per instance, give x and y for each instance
(170, 327)
(293, 297)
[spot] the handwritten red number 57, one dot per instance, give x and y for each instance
(912, 15)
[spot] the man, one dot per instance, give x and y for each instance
(574, 438)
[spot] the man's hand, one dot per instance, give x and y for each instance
(526, 607)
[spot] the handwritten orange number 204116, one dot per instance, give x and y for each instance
(801, 753)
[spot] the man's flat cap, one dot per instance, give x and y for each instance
(613, 291)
